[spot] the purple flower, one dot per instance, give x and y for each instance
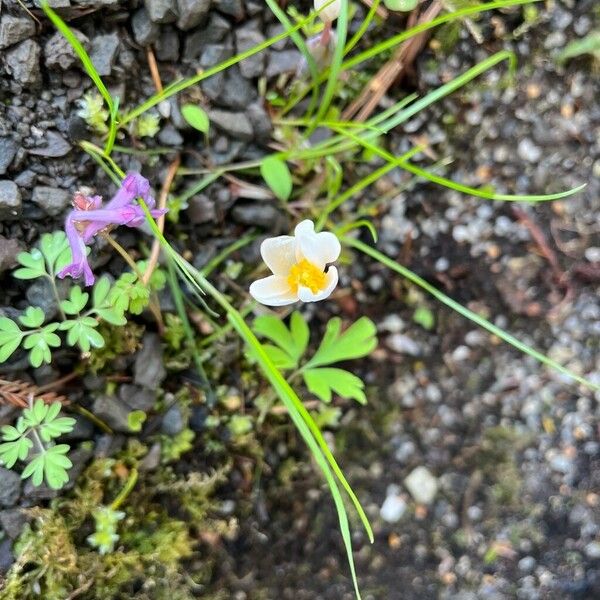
(88, 218)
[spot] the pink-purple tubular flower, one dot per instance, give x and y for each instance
(88, 218)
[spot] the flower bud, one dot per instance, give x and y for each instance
(331, 12)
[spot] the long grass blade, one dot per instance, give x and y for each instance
(465, 312)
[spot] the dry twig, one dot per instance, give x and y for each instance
(17, 393)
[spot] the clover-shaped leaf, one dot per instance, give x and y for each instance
(82, 332)
(33, 265)
(33, 317)
(291, 342)
(10, 337)
(50, 465)
(39, 344)
(101, 290)
(12, 451)
(55, 248)
(76, 301)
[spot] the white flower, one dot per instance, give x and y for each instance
(331, 12)
(298, 265)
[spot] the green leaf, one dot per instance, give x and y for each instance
(82, 332)
(10, 433)
(51, 465)
(56, 427)
(280, 358)
(8, 325)
(135, 420)
(239, 425)
(15, 450)
(53, 245)
(76, 302)
(590, 44)
(424, 317)
(35, 470)
(33, 317)
(323, 381)
(357, 341)
(401, 5)
(34, 265)
(277, 176)
(196, 117)
(8, 345)
(300, 334)
(111, 316)
(101, 290)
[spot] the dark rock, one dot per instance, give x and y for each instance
(12, 522)
(233, 8)
(40, 293)
(55, 146)
(136, 397)
(9, 248)
(261, 122)
(58, 52)
(169, 136)
(191, 13)
(198, 417)
(245, 39)
(10, 487)
(238, 92)
(148, 369)
(14, 30)
(33, 494)
(53, 201)
(261, 214)
(235, 124)
(80, 458)
(6, 555)
(152, 459)
(167, 46)
(201, 210)
(111, 410)
(213, 54)
(173, 421)
(145, 32)
(8, 151)
(23, 63)
(104, 51)
(286, 61)
(161, 11)
(10, 200)
(108, 445)
(83, 430)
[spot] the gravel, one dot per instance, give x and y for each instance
(14, 30)
(10, 200)
(53, 201)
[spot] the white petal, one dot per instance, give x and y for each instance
(279, 253)
(332, 12)
(331, 280)
(318, 248)
(273, 291)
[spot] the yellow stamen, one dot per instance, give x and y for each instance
(306, 274)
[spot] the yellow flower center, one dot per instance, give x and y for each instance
(306, 274)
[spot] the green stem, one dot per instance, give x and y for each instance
(127, 488)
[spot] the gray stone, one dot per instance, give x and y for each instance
(149, 370)
(14, 30)
(213, 54)
(58, 52)
(528, 151)
(286, 61)
(9, 248)
(398, 342)
(260, 214)
(136, 397)
(112, 411)
(10, 200)
(592, 550)
(55, 146)
(104, 51)
(161, 11)
(261, 122)
(238, 92)
(191, 13)
(10, 487)
(145, 32)
(233, 8)
(23, 63)
(7, 557)
(8, 151)
(167, 46)
(422, 485)
(245, 39)
(169, 136)
(12, 522)
(235, 124)
(40, 293)
(394, 506)
(53, 201)
(54, 3)
(173, 421)
(201, 210)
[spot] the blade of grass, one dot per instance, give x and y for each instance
(334, 70)
(112, 129)
(85, 59)
(179, 86)
(397, 39)
(448, 183)
(363, 27)
(301, 44)
(465, 312)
